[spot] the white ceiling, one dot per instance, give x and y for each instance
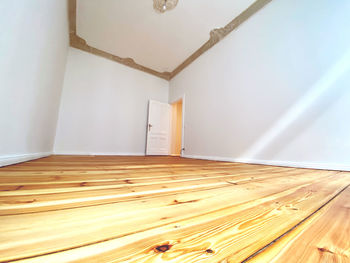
(132, 28)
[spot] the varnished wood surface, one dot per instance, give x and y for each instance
(170, 209)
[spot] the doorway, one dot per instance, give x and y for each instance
(165, 130)
(176, 128)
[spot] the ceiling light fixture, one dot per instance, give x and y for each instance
(164, 5)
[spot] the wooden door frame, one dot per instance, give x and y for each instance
(183, 121)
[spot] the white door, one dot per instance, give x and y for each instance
(158, 128)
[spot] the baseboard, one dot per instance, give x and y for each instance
(98, 153)
(20, 158)
(309, 165)
(13, 159)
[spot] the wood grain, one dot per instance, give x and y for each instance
(324, 237)
(167, 209)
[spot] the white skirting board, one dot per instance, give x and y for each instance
(19, 158)
(98, 153)
(319, 166)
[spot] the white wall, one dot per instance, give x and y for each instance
(104, 106)
(33, 51)
(276, 91)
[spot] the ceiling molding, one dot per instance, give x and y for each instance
(216, 35)
(80, 43)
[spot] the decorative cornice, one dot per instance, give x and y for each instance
(216, 35)
(80, 43)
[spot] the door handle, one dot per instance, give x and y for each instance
(149, 126)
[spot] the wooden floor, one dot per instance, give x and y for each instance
(169, 209)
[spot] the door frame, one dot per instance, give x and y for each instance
(183, 121)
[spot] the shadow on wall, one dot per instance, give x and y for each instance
(311, 106)
(44, 106)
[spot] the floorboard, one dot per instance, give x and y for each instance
(324, 237)
(171, 209)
